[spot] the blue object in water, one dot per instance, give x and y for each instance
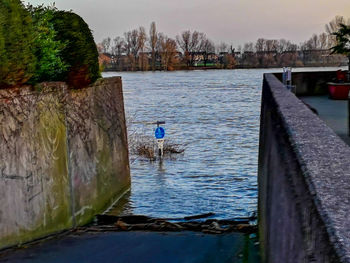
(159, 133)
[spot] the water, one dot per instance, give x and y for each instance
(216, 116)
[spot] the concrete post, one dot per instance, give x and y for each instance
(349, 114)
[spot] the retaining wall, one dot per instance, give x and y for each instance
(63, 157)
(304, 182)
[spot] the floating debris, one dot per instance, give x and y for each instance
(145, 223)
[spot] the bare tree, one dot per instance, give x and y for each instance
(323, 41)
(195, 41)
(249, 58)
(314, 41)
(184, 43)
(168, 52)
(291, 46)
(141, 42)
(127, 42)
(222, 47)
(153, 38)
(311, 44)
(118, 49)
(334, 26)
(260, 45)
(283, 46)
(132, 47)
(207, 47)
(260, 48)
(271, 45)
(189, 43)
(248, 47)
(195, 44)
(106, 43)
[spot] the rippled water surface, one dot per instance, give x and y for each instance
(216, 115)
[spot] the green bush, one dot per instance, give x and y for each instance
(343, 42)
(80, 52)
(17, 61)
(47, 49)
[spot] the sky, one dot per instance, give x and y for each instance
(232, 21)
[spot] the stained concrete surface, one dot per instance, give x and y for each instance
(304, 179)
(122, 247)
(333, 112)
(63, 157)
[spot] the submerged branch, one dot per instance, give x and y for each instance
(138, 222)
(146, 146)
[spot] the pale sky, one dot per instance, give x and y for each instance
(232, 21)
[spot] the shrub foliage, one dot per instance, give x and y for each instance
(50, 65)
(343, 41)
(80, 52)
(16, 41)
(44, 44)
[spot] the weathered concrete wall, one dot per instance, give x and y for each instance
(311, 83)
(98, 147)
(304, 183)
(63, 154)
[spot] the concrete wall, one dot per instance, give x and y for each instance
(304, 183)
(63, 157)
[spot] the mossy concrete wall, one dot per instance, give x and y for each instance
(304, 182)
(63, 157)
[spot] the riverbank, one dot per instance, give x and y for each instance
(343, 66)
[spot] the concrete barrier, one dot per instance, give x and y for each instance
(63, 157)
(311, 83)
(304, 182)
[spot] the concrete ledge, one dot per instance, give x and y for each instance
(304, 182)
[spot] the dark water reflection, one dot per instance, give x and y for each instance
(216, 115)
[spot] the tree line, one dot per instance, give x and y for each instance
(137, 50)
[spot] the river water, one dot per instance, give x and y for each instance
(215, 116)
